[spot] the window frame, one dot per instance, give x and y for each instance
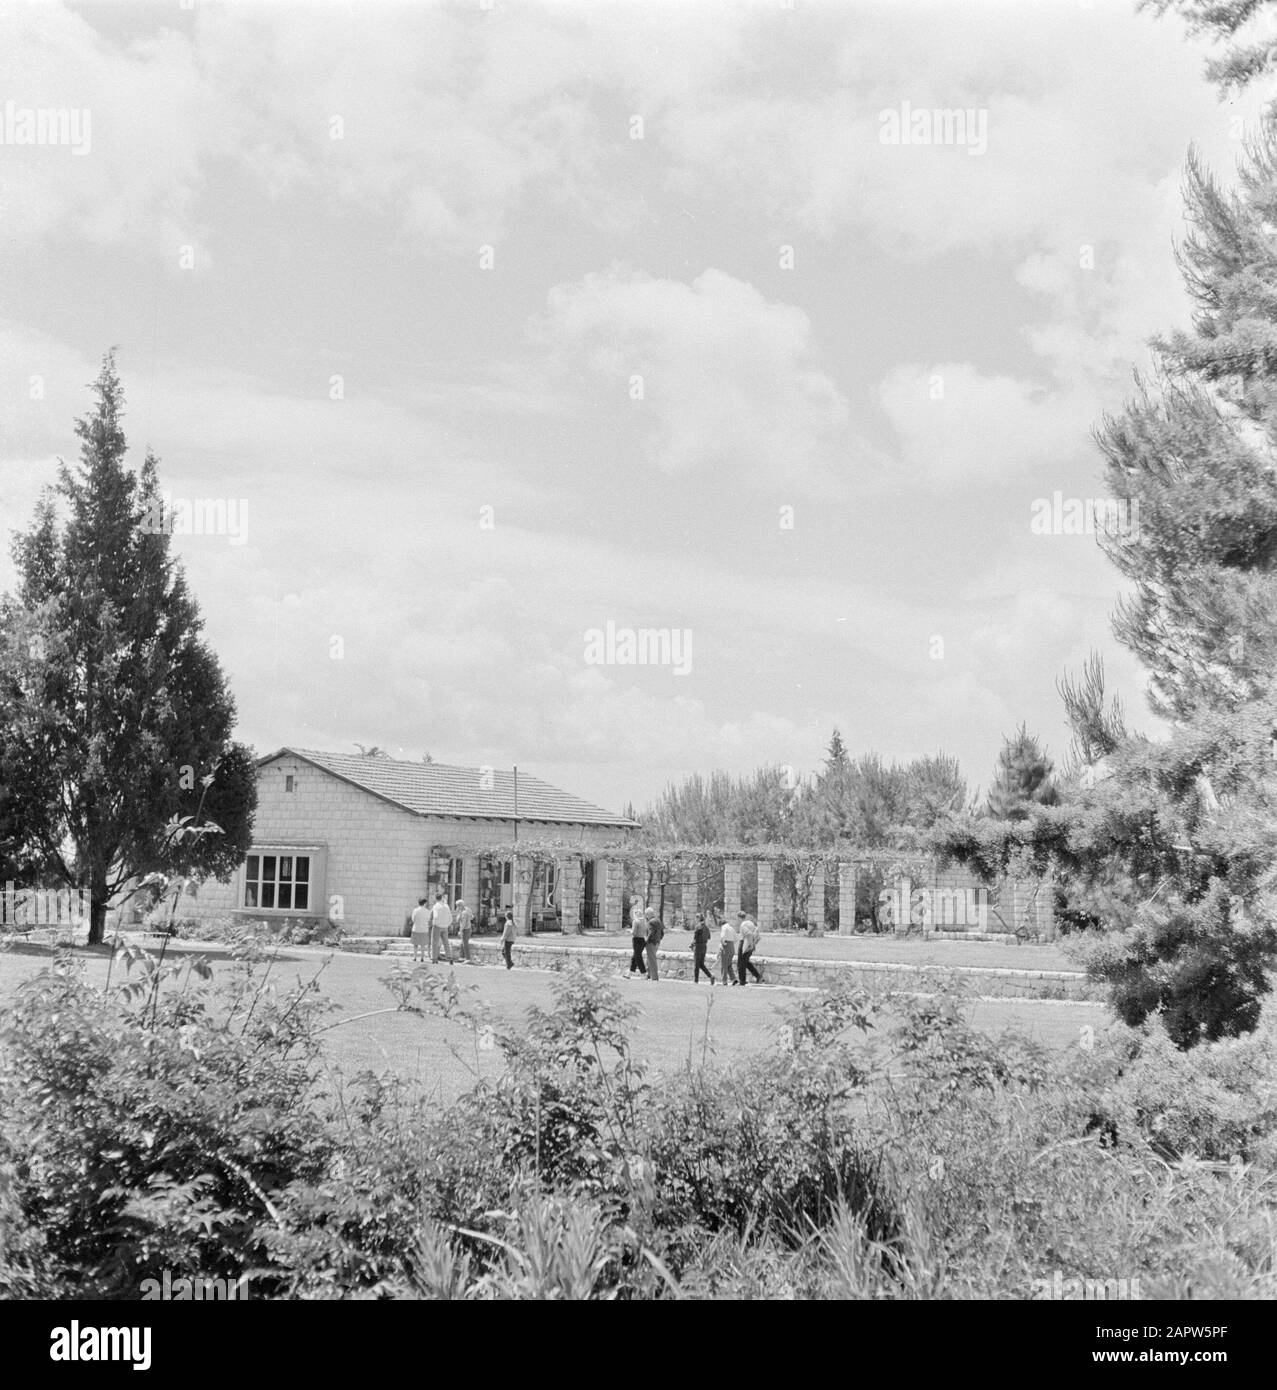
(315, 857)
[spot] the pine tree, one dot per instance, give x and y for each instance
(830, 815)
(1194, 453)
(1023, 779)
(1171, 845)
(1191, 816)
(836, 760)
(115, 721)
(1241, 62)
(934, 788)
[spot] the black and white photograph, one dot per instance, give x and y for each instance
(638, 662)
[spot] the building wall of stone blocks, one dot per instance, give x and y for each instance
(376, 855)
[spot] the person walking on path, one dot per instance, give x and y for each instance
(749, 937)
(464, 920)
(655, 931)
(638, 926)
(420, 930)
(727, 953)
(507, 940)
(440, 921)
(700, 944)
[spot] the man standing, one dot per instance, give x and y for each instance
(638, 926)
(463, 926)
(440, 921)
(727, 952)
(420, 929)
(749, 936)
(655, 931)
(507, 939)
(700, 943)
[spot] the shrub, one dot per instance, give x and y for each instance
(289, 931)
(881, 1149)
(148, 1128)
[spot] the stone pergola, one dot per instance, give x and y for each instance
(682, 873)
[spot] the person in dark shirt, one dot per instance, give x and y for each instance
(700, 944)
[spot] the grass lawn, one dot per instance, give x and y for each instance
(678, 1020)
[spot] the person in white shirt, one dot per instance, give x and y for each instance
(462, 916)
(420, 930)
(749, 935)
(440, 921)
(727, 952)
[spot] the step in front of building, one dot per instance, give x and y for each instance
(983, 981)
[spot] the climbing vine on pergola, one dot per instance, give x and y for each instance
(669, 864)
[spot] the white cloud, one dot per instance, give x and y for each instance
(731, 381)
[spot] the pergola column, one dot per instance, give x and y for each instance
(470, 883)
(904, 895)
(846, 898)
(731, 888)
(612, 893)
(521, 887)
(766, 894)
(688, 896)
(570, 894)
(816, 901)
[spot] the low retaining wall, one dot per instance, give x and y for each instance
(984, 981)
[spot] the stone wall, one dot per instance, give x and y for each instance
(977, 981)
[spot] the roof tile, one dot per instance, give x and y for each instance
(435, 789)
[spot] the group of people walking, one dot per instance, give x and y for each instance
(737, 942)
(432, 926)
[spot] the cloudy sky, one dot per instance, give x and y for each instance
(504, 322)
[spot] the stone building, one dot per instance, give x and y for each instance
(357, 840)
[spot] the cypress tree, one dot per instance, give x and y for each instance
(116, 756)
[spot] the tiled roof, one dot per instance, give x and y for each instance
(433, 789)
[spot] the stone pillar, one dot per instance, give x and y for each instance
(691, 887)
(1046, 900)
(731, 888)
(470, 884)
(612, 894)
(816, 901)
(570, 895)
(846, 898)
(904, 892)
(521, 884)
(766, 894)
